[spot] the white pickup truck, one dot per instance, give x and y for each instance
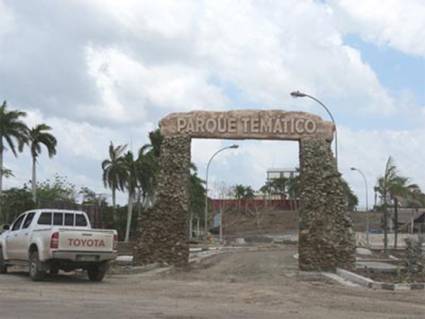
(49, 240)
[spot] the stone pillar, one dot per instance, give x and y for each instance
(162, 229)
(326, 240)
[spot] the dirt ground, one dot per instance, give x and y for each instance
(262, 283)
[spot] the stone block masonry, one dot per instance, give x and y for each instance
(163, 235)
(326, 240)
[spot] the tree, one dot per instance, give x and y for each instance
(197, 198)
(156, 139)
(248, 194)
(239, 191)
(266, 189)
(12, 131)
(279, 186)
(350, 197)
(131, 184)
(56, 190)
(294, 189)
(146, 173)
(242, 192)
(415, 198)
(89, 196)
(15, 201)
(114, 172)
(391, 186)
(37, 137)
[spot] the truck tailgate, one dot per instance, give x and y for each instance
(86, 240)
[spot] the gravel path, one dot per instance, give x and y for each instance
(242, 284)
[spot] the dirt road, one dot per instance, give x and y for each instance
(243, 284)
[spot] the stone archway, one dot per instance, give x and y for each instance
(325, 236)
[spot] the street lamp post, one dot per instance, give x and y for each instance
(300, 94)
(367, 202)
(206, 184)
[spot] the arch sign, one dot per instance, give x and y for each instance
(246, 124)
(325, 235)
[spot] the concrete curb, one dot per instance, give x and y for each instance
(204, 255)
(318, 275)
(350, 276)
(369, 283)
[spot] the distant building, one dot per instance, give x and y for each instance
(275, 173)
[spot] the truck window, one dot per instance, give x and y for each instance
(45, 219)
(18, 223)
(69, 219)
(58, 219)
(28, 220)
(80, 220)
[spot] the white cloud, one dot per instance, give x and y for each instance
(6, 20)
(131, 90)
(126, 64)
(183, 56)
(399, 24)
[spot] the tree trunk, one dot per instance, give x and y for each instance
(1, 178)
(385, 223)
(139, 206)
(34, 180)
(114, 206)
(129, 213)
(395, 222)
(190, 226)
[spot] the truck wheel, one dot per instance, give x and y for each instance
(37, 273)
(54, 270)
(97, 272)
(3, 267)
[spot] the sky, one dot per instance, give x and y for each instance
(105, 70)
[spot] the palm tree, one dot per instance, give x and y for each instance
(293, 188)
(149, 164)
(156, 139)
(279, 186)
(131, 184)
(248, 194)
(197, 196)
(114, 172)
(147, 169)
(416, 198)
(239, 191)
(391, 187)
(12, 131)
(38, 136)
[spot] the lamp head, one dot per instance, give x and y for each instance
(234, 146)
(353, 169)
(297, 94)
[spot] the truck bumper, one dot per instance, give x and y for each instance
(79, 256)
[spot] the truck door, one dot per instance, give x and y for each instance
(23, 238)
(12, 238)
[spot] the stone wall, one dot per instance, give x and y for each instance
(326, 240)
(162, 232)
